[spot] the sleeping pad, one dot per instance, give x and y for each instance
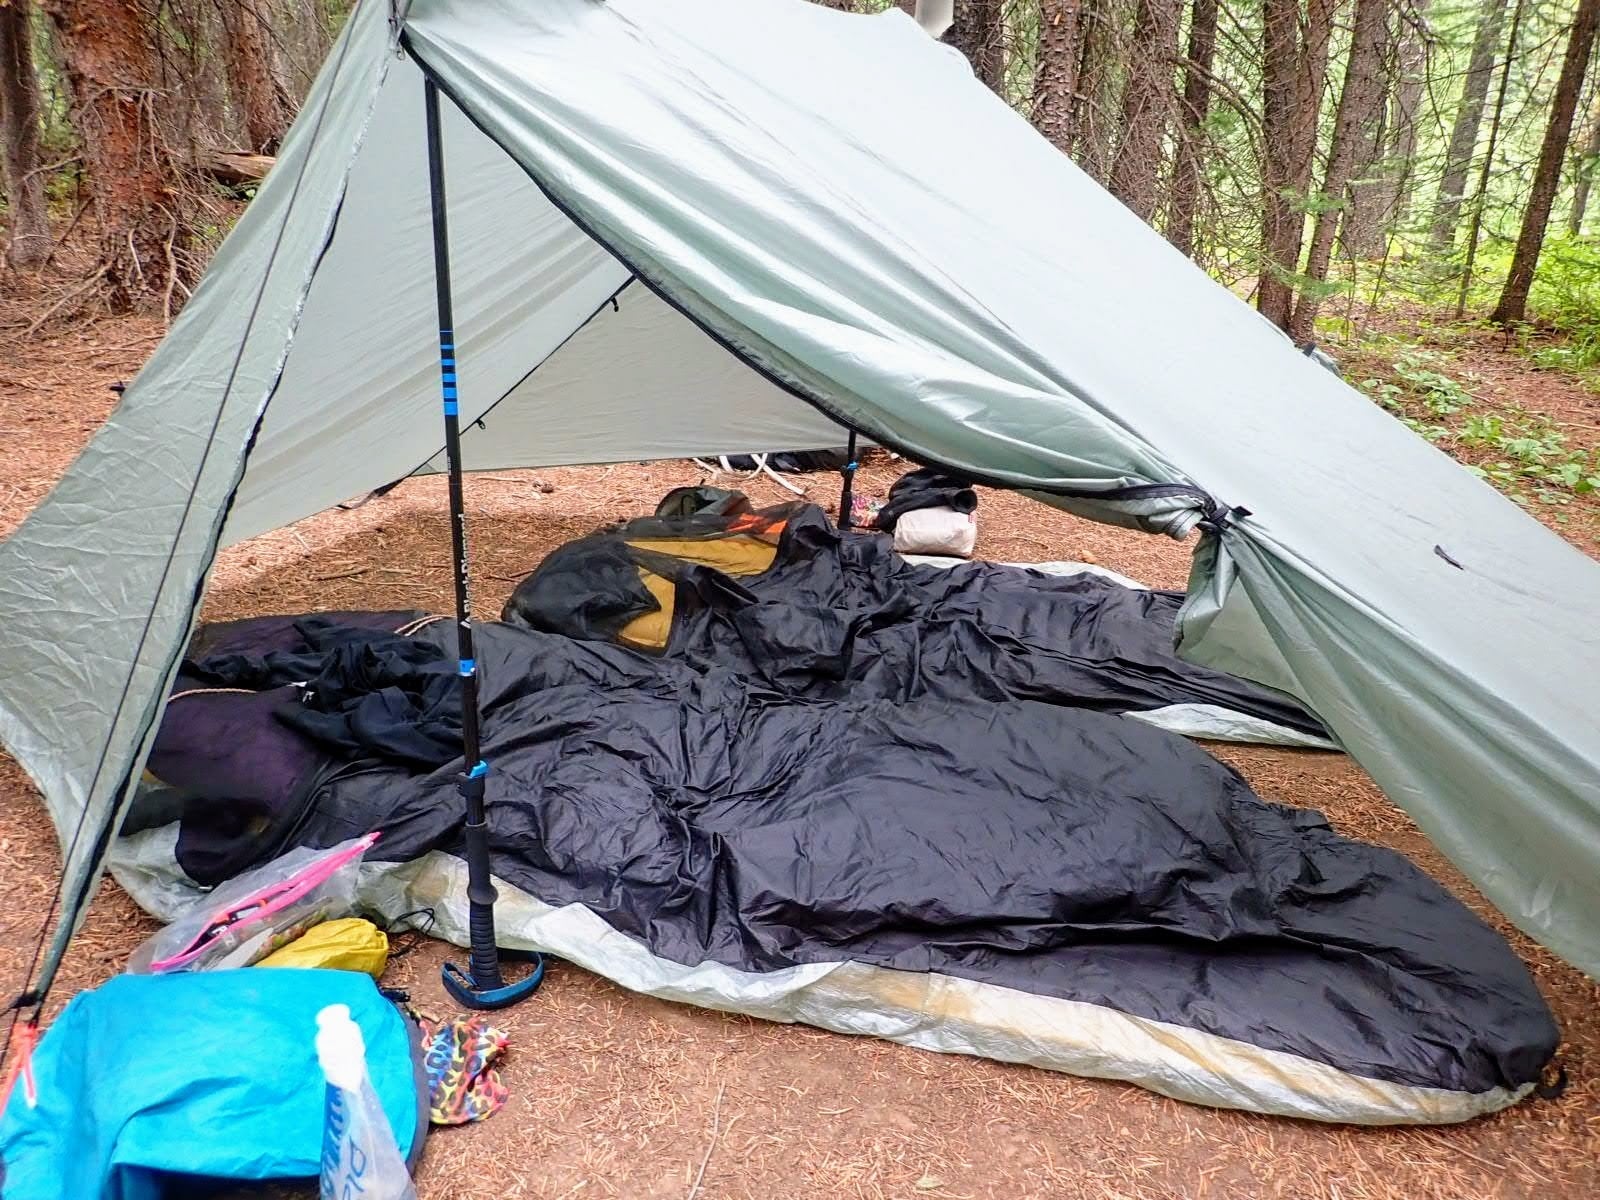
(783, 597)
(1003, 877)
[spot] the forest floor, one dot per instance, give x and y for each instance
(615, 1094)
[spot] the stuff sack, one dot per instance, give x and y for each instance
(941, 531)
(153, 1080)
(348, 944)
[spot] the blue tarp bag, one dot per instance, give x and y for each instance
(150, 1082)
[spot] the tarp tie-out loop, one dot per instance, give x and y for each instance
(383, 490)
(1218, 516)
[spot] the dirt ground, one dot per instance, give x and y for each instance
(614, 1094)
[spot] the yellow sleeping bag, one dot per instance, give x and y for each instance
(736, 555)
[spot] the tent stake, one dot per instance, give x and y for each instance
(484, 987)
(847, 483)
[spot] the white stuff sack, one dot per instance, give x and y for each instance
(936, 531)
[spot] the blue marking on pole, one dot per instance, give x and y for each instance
(479, 770)
(450, 409)
(450, 392)
(468, 666)
(851, 466)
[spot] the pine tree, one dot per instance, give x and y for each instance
(1148, 100)
(27, 218)
(1294, 69)
(1513, 305)
(110, 58)
(1055, 79)
(979, 33)
(1188, 170)
(1360, 109)
(259, 95)
(1469, 119)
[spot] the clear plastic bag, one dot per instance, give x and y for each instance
(359, 1156)
(249, 917)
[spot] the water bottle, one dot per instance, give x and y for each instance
(360, 1160)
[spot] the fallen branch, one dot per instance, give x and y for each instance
(716, 1128)
(172, 272)
(234, 168)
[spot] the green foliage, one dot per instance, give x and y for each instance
(1419, 372)
(1563, 332)
(1580, 355)
(1530, 450)
(1565, 307)
(1523, 454)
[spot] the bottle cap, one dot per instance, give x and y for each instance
(341, 1050)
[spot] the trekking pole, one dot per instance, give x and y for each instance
(847, 475)
(484, 987)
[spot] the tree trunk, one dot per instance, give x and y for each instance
(110, 64)
(302, 43)
(1361, 227)
(1469, 118)
(1147, 103)
(1513, 304)
(1188, 170)
(979, 32)
(1394, 190)
(1583, 173)
(260, 97)
(1475, 226)
(1100, 78)
(27, 218)
(1360, 109)
(1295, 66)
(1055, 81)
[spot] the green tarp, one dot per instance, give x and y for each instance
(836, 200)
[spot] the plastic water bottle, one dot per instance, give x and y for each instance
(360, 1160)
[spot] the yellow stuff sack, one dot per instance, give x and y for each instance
(348, 944)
